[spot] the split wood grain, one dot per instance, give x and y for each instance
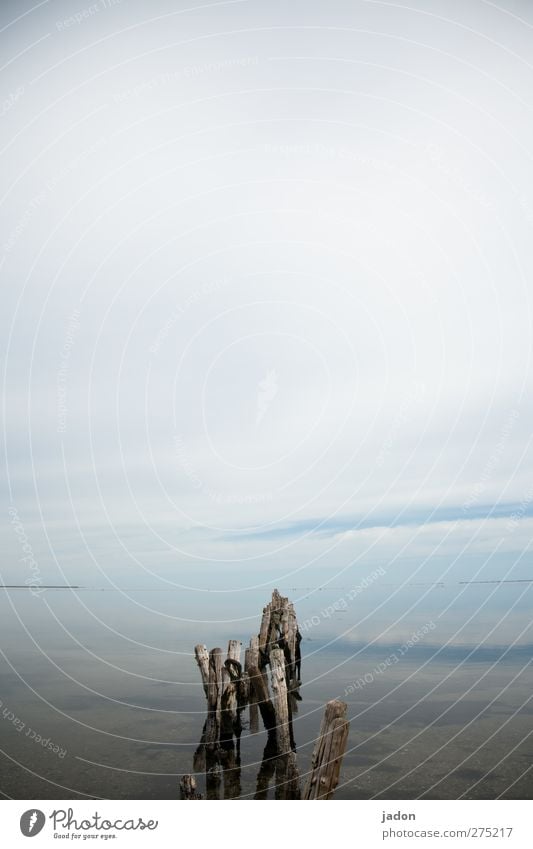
(328, 752)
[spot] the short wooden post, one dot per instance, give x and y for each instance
(234, 650)
(328, 752)
(188, 788)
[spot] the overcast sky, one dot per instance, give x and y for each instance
(266, 282)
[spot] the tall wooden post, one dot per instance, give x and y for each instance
(214, 696)
(279, 700)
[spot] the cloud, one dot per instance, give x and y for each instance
(300, 285)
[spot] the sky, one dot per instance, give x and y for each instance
(266, 284)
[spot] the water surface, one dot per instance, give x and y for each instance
(437, 679)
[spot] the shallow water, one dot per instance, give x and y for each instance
(438, 682)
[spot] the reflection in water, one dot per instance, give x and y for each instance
(116, 687)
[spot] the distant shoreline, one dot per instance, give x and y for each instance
(40, 586)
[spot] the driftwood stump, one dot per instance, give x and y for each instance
(230, 689)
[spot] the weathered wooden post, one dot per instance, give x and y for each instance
(214, 697)
(239, 678)
(291, 638)
(264, 631)
(279, 699)
(262, 697)
(251, 659)
(188, 788)
(328, 752)
(202, 659)
(229, 690)
(234, 650)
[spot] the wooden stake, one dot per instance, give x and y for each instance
(188, 788)
(262, 698)
(214, 696)
(292, 628)
(279, 700)
(202, 659)
(251, 658)
(328, 752)
(228, 715)
(264, 632)
(234, 650)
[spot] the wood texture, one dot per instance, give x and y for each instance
(188, 788)
(214, 696)
(234, 650)
(251, 658)
(230, 689)
(262, 697)
(202, 659)
(264, 632)
(328, 752)
(278, 682)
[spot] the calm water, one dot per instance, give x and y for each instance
(110, 679)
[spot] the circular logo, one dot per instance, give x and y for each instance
(32, 822)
